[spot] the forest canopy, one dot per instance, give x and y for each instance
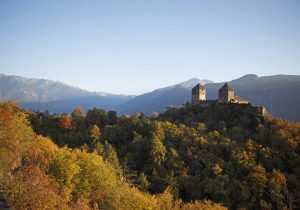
(216, 157)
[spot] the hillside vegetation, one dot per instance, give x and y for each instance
(186, 158)
(37, 174)
(226, 153)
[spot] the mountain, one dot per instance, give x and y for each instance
(41, 94)
(159, 99)
(278, 93)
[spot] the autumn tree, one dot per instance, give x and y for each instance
(77, 113)
(65, 122)
(94, 134)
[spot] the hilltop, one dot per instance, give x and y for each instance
(278, 93)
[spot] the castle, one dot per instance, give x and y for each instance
(198, 93)
(226, 95)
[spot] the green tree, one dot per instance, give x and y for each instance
(64, 167)
(143, 183)
(96, 116)
(109, 154)
(158, 150)
(112, 117)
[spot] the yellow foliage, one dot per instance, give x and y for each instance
(203, 205)
(125, 197)
(36, 174)
(217, 169)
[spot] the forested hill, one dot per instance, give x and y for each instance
(278, 93)
(226, 153)
(36, 174)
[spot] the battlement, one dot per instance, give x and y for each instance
(262, 111)
(226, 95)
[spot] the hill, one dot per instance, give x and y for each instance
(37, 174)
(277, 93)
(227, 153)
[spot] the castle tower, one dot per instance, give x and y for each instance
(226, 93)
(198, 93)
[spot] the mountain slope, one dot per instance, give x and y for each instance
(36, 90)
(54, 96)
(279, 94)
(159, 99)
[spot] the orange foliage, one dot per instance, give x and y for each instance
(31, 188)
(288, 131)
(5, 116)
(65, 122)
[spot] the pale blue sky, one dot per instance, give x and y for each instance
(135, 46)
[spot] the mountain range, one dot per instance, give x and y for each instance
(278, 93)
(54, 96)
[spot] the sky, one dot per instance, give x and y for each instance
(135, 46)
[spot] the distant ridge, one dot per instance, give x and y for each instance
(159, 99)
(41, 94)
(25, 89)
(278, 93)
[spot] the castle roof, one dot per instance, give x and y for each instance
(226, 87)
(199, 86)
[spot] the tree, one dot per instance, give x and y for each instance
(258, 182)
(108, 153)
(95, 134)
(64, 167)
(217, 169)
(65, 122)
(77, 113)
(158, 150)
(112, 117)
(31, 188)
(217, 188)
(143, 183)
(96, 116)
(203, 205)
(277, 188)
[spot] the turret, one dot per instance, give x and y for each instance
(198, 93)
(226, 94)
